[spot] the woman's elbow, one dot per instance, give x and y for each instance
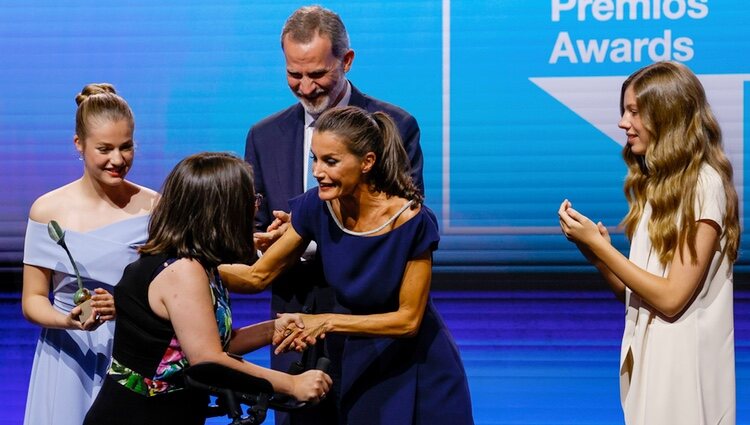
(240, 279)
(669, 312)
(247, 287)
(410, 332)
(409, 328)
(27, 315)
(205, 357)
(29, 312)
(672, 307)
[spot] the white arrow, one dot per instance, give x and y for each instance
(596, 100)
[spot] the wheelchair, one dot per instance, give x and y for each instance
(233, 389)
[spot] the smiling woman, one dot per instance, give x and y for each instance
(104, 217)
(108, 152)
(677, 357)
(375, 239)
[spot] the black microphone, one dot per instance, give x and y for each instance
(323, 364)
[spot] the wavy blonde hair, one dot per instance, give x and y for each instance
(684, 134)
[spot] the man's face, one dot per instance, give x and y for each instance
(316, 77)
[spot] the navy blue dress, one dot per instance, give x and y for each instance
(418, 380)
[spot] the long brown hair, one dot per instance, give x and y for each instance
(364, 132)
(206, 211)
(684, 135)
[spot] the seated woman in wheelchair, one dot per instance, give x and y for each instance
(174, 311)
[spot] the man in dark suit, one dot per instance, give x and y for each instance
(316, 48)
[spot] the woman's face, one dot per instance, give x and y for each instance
(638, 136)
(338, 171)
(107, 152)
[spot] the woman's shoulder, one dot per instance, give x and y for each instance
(181, 275)
(420, 218)
(49, 205)
(73, 207)
(144, 199)
(709, 179)
(428, 217)
(185, 266)
(414, 209)
(408, 210)
(306, 202)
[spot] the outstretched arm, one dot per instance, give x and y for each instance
(670, 294)
(181, 294)
(255, 278)
(252, 337)
(404, 322)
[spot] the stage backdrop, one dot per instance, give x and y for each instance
(517, 100)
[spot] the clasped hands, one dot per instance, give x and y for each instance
(295, 332)
(578, 228)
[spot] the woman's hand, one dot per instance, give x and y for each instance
(578, 228)
(274, 231)
(73, 320)
(103, 305)
(314, 328)
(312, 385)
(287, 326)
(604, 232)
(102, 309)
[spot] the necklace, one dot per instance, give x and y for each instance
(368, 232)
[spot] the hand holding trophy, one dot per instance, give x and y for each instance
(82, 296)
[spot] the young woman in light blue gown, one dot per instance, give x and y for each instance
(105, 218)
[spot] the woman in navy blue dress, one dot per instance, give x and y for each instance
(375, 240)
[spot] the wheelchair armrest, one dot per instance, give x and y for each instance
(216, 377)
(233, 387)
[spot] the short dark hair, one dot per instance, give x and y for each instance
(206, 211)
(308, 21)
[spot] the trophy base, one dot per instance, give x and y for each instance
(85, 311)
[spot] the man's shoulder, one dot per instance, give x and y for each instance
(293, 112)
(372, 104)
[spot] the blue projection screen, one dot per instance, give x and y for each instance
(517, 100)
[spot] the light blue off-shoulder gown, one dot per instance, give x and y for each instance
(69, 365)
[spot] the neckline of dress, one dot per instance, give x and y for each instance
(100, 228)
(368, 232)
